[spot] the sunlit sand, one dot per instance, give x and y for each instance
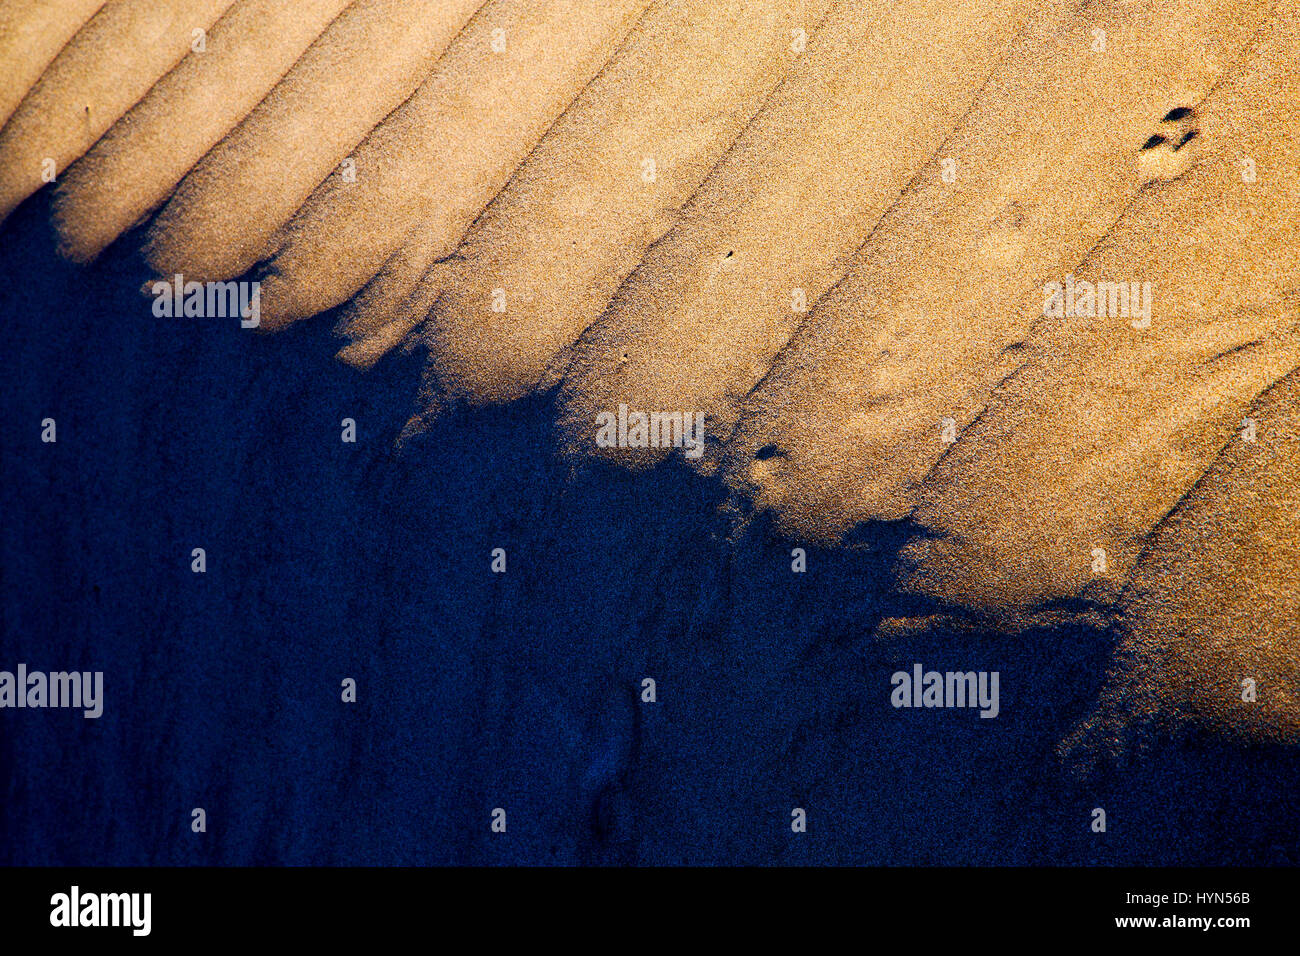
(829, 228)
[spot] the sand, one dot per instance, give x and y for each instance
(224, 215)
(432, 166)
(829, 227)
(32, 32)
(108, 65)
(605, 186)
(184, 115)
(705, 314)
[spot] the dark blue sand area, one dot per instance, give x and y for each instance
(477, 690)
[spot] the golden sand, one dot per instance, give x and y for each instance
(829, 226)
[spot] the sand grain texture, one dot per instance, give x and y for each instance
(780, 217)
(223, 217)
(604, 186)
(828, 227)
(108, 65)
(847, 425)
(439, 159)
(32, 32)
(137, 164)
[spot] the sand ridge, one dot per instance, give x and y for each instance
(829, 227)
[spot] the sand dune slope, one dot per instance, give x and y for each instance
(32, 32)
(1014, 280)
(222, 218)
(951, 282)
(432, 166)
(780, 217)
(107, 66)
(137, 164)
(607, 183)
(1101, 428)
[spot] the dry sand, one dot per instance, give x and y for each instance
(224, 215)
(103, 70)
(186, 113)
(32, 32)
(604, 186)
(828, 226)
(435, 163)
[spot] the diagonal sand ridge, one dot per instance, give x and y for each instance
(832, 228)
